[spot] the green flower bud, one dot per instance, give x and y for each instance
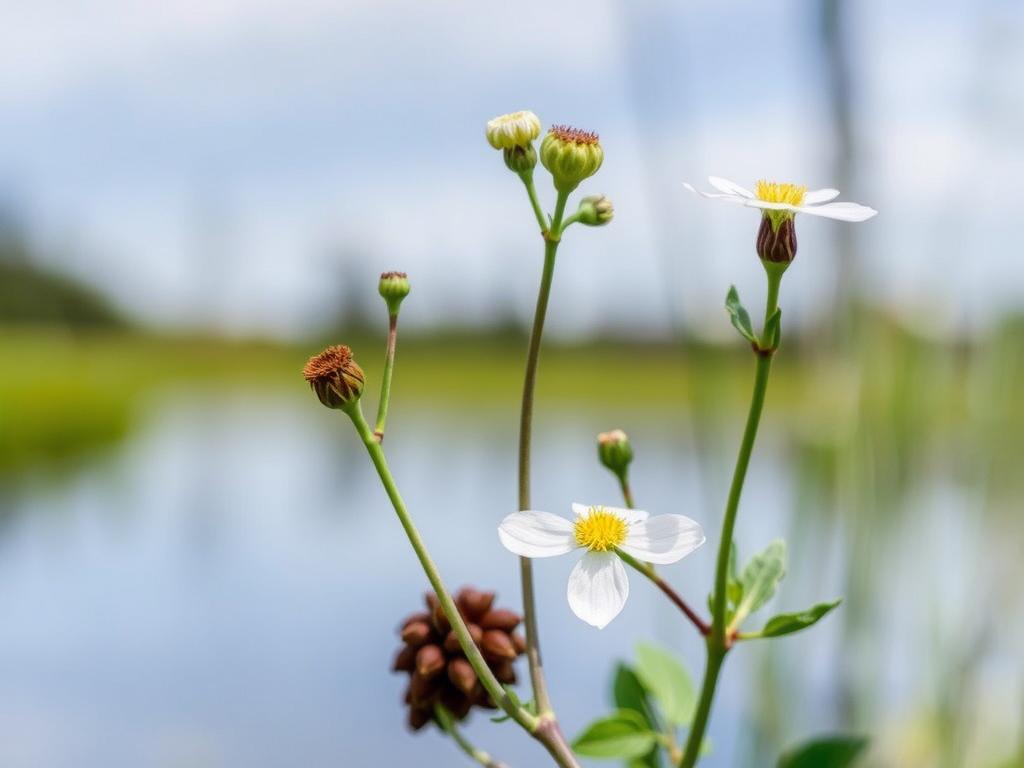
(615, 451)
(570, 155)
(516, 129)
(335, 377)
(393, 287)
(520, 159)
(595, 211)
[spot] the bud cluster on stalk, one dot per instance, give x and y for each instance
(437, 668)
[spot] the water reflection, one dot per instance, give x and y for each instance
(223, 590)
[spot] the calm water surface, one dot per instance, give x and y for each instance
(223, 589)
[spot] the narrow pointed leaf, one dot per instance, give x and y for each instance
(760, 578)
(788, 623)
(739, 316)
(827, 752)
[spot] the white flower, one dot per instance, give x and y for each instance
(598, 586)
(513, 130)
(772, 196)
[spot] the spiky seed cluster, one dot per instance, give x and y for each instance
(438, 669)
(570, 155)
(335, 377)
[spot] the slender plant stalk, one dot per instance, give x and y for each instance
(531, 191)
(447, 722)
(533, 656)
(717, 642)
(541, 730)
(649, 571)
(627, 493)
(385, 384)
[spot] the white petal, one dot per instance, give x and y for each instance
(713, 196)
(820, 196)
(663, 539)
(536, 534)
(729, 187)
(771, 206)
(841, 211)
(629, 515)
(598, 588)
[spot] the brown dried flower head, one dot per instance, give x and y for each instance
(437, 668)
(335, 377)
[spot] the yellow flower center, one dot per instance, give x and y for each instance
(774, 192)
(599, 531)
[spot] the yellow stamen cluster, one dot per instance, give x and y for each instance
(774, 192)
(600, 530)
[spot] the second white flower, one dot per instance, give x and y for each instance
(598, 585)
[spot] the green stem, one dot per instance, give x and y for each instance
(649, 571)
(542, 222)
(718, 642)
(533, 657)
(385, 384)
(473, 655)
(627, 493)
(545, 730)
(447, 722)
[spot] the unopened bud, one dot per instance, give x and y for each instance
(521, 159)
(405, 659)
(461, 673)
(416, 633)
(393, 287)
(500, 618)
(614, 451)
(497, 645)
(429, 661)
(776, 239)
(516, 129)
(595, 211)
(475, 603)
(570, 155)
(335, 377)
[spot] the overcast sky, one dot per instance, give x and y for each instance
(247, 162)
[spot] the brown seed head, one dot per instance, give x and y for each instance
(335, 377)
(575, 135)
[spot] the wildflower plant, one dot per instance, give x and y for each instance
(459, 652)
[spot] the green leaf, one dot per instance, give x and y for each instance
(826, 752)
(629, 693)
(760, 578)
(773, 329)
(624, 734)
(739, 316)
(788, 623)
(668, 682)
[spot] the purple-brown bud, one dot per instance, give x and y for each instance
(497, 645)
(335, 377)
(416, 633)
(461, 673)
(777, 244)
(429, 661)
(500, 618)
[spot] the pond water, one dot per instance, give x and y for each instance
(223, 589)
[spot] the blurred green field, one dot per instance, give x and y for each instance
(65, 393)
